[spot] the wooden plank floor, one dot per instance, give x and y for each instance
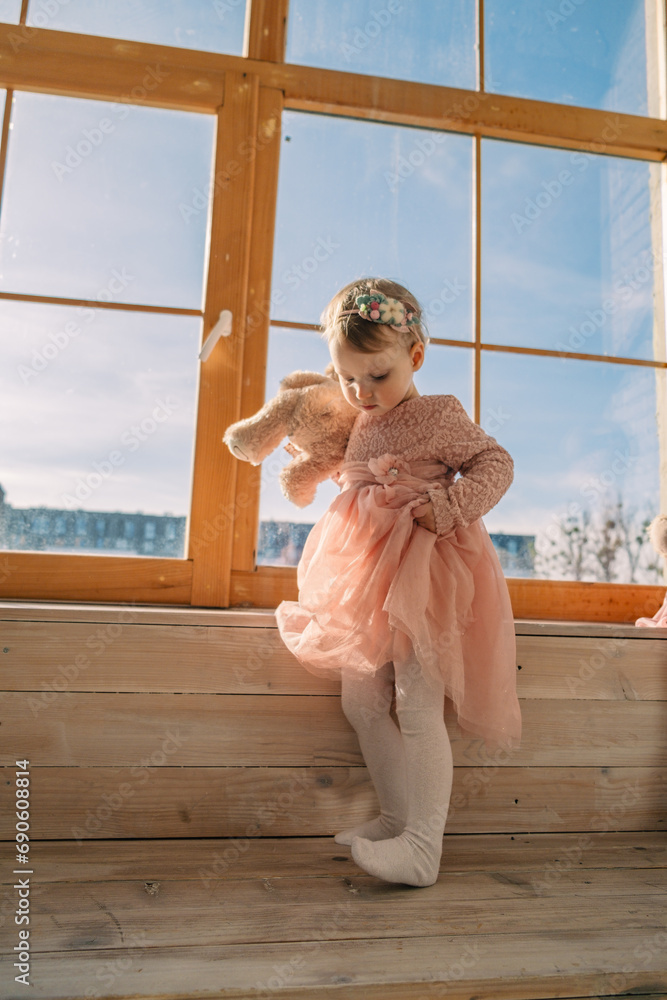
(512, 917)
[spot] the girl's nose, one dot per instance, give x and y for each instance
(362, 393)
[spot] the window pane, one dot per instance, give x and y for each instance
(358, 198)
(10, 11)
(98, 201)
(584, 439)
(97, 412)
(216, 26)
(586, 52)
(568, 262)
(428, 43)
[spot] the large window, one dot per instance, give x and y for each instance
(159, 163)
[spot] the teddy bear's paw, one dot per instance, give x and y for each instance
(658, 533)
(239, 453)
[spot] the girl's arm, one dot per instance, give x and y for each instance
(486, 469)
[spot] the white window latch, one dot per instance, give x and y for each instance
(222, 328)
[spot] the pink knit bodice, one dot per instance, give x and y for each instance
(438, 428)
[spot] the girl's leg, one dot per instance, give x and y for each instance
(366, 701)
(413, 857)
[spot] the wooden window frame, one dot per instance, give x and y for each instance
(247, 94)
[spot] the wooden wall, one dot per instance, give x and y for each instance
(142, 722)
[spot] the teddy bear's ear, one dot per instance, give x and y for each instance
(301, 380)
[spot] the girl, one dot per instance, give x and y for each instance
(400, 588)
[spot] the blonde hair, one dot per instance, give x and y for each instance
(362, 334)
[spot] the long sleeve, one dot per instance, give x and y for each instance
(486, 470)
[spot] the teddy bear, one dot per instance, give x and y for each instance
(312, 412)
(658, 534)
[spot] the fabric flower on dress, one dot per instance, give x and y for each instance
(388, 468)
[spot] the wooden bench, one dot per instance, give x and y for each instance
(186, 776)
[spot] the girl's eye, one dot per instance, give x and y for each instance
(378, 378)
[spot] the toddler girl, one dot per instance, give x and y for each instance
(400, 588)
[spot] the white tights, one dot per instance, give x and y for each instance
(411, 769)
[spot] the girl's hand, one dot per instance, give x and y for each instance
(424, 516)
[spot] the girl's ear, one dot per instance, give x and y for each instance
(417, 355)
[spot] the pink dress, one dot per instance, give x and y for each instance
(375, 586)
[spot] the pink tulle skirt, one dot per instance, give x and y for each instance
(659, 619)
(375, 586)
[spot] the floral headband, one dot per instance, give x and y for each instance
(378, 308)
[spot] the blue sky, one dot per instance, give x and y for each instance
(567, 252)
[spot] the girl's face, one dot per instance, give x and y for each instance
(377, 382)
